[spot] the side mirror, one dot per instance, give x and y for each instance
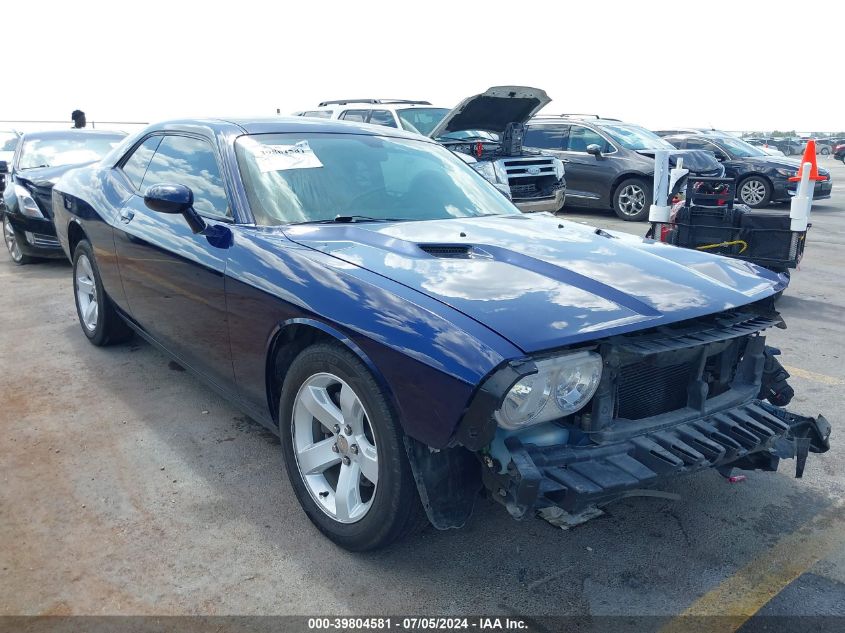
(4, 167)
(175, 199)
(594, 149)
(720, 156)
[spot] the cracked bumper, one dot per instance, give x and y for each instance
(752, 436)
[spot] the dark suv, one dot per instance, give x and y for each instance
(610, 164)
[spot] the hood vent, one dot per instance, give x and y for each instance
(448, 251)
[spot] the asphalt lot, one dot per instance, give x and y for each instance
(128, 487)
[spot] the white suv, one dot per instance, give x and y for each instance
(415, 116)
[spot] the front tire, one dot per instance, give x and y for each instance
(344, 451)
(755, 191)
(10, 236)
(97, 316)
(824, 151)
(631, 199)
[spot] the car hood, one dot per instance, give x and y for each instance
(44, 177)
(775, 162)
(493, 109)
(696, 160)
(541, 283)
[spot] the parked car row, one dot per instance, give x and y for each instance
(598, 162)
(373, 297)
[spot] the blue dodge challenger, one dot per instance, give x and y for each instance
(413, 338)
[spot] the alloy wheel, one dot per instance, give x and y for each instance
(752, 192)
(335, 447)
(632, 200)
(11, 241)
(86, 292)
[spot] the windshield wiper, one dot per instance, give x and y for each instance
(351, 219)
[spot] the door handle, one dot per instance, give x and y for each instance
(126, 216)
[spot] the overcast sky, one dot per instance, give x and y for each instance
(735, 65)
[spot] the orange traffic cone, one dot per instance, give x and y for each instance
(809, 157)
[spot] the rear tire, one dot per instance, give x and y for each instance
(632, 198)
(98, 318)
(10, 236)
(824, 151)
(331, 400)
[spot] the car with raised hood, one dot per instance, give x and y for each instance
(760, 179)
(609, 163)
(411, 336)
(39, 160)
(487, 131)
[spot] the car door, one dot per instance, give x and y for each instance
(588, 177)
(173, 279)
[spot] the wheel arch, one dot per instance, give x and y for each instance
(291, 337)
(75, 234)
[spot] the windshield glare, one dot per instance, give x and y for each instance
(634, 137)
(421, 120)
(739, 148)
(317, 177)
(55, 152)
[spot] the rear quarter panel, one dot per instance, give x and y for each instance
(91, 198)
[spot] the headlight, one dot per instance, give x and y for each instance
(561, 386)
(486, 169)
(26, 203)
(559, 169)
(788, 173)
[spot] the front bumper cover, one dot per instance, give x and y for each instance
(752, 436)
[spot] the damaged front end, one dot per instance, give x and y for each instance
(667, 402)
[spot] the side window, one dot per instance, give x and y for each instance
(136, 165)
(382, 117)
(190, 162)
(355, 115)
(580, 137)
(546, 137)
(317, 114)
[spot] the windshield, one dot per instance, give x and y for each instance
(739, 148)
(634, 137)
(71, 150)
(421, 120)
(317, 177)
(8, 141)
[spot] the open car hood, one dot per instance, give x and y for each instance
(493, 109)
(541, 286)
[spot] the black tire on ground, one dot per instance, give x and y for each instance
(12, 241)
(109, 327)
(824, 151)
(632, 199)
(396, 510)
(755, 191)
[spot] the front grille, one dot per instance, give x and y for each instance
(42, 241)
(519, 191)
(645, 390)
(519, 169)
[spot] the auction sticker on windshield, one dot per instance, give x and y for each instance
(284, 157)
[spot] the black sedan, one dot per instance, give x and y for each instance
(761, 179)
(39, 160)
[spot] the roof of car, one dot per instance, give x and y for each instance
(283, 125)
(48, 134)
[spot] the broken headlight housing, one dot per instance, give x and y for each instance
(561, 386)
